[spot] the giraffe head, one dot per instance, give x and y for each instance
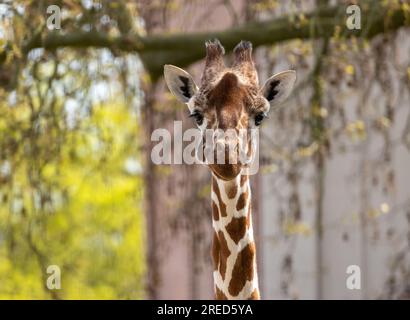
(229, 101)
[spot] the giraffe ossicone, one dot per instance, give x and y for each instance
(229, 98)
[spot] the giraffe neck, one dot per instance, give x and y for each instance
(233, 247)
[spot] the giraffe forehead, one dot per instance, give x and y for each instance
(227, 101)
(229, 88)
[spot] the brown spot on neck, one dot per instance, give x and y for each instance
(215, 251)
(219, 295)
(223, 254)
(222, 205)
(231, 191)
(242, 200)
(243, 269)
(254, 295)
(215, 211)
(237, 228)
(244, 178)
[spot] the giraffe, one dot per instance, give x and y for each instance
(230, 98)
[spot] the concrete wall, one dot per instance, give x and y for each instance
(365, 223)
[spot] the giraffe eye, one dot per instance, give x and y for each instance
(259, 118)
(199, 118)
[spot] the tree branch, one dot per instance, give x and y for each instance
(185, 48)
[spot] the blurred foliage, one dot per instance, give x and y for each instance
(83, 215)
(70, 189)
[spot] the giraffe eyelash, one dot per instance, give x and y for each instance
(199, 118)
(259, 117)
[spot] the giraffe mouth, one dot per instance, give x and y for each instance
(226, 171)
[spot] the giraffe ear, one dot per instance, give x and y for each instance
(278, 87)
(180, 83)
